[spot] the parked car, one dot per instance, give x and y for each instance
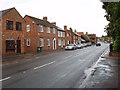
(98, 44)
(71, 47)
(84, 45)
(79, 46)
(89, 44)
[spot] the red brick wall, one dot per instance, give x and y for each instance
(14, 16)
(35, 36)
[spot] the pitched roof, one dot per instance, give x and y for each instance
(7, 10)
(42, 22)
(86, 37)
(60, 29)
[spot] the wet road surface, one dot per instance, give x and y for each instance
(60, 70)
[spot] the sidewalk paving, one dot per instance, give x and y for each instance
(104, 74)
(26, 57)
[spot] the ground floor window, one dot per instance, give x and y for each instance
(41, 42)
(28, 42)
(59, 42)
(10, 45)
(48, 42)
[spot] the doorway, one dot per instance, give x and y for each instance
(18, 46)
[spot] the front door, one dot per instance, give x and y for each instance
(18, 46)
(54, 44)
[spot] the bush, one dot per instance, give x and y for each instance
(116, 46)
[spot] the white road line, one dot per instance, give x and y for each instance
(68, 56)
(44, 65)
(5, 79)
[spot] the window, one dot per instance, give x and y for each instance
(41, 28)
(67, 34)
(18, 26)
(48, 29)
(10, 45)
(63, 34)
(59, 42)
(54, 30)
(64, 42)
(28, 42)
(48, 42)
(28, 28)
(9, 25)
(41, 42)
(59, 34)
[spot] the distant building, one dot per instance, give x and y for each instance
(92, 37)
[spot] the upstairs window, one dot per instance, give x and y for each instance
(41, 42)
(28, 28)
(54, 31)
(63, 34)
(9, 25)
(18, 26)
(10, 45)
(41, 28)
(59, 33)
(48, 29)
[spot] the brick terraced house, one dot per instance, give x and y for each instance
(13, 28)
(61, 37)
(40, 33)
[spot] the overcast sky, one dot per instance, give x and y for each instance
(82, 15)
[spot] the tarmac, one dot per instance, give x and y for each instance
(103, 74)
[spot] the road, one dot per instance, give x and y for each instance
(61, 70)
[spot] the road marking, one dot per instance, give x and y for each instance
(68, 56)
(5, 79)
(44, 65)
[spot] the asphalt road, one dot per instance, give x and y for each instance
(59, 70)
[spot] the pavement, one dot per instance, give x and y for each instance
(104, 74)
(6, 60)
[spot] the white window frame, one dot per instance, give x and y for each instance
(54, 31)
(63, 34)
(59, 42)
(28, 28)
(41, 42)
(28, 42)
(48, 29)
(41, 28)
(59, 33)
(48, 42)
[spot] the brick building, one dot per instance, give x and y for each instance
(92, 37)
(13, 28)
(40, 33)
(61, 37)
(69, 35)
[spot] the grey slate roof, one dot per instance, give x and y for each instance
(7, 10)
(42, 22)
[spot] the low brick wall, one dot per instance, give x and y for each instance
(114, 54)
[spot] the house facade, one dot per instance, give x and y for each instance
(40, 33)
(61, 37)
(93, 38)
(13, 28)
(69, 35)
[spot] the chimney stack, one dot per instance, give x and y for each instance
(86, 33)
(65, 27)
(45, 18)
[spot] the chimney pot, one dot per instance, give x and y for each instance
(65, 27)
(45, 18)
